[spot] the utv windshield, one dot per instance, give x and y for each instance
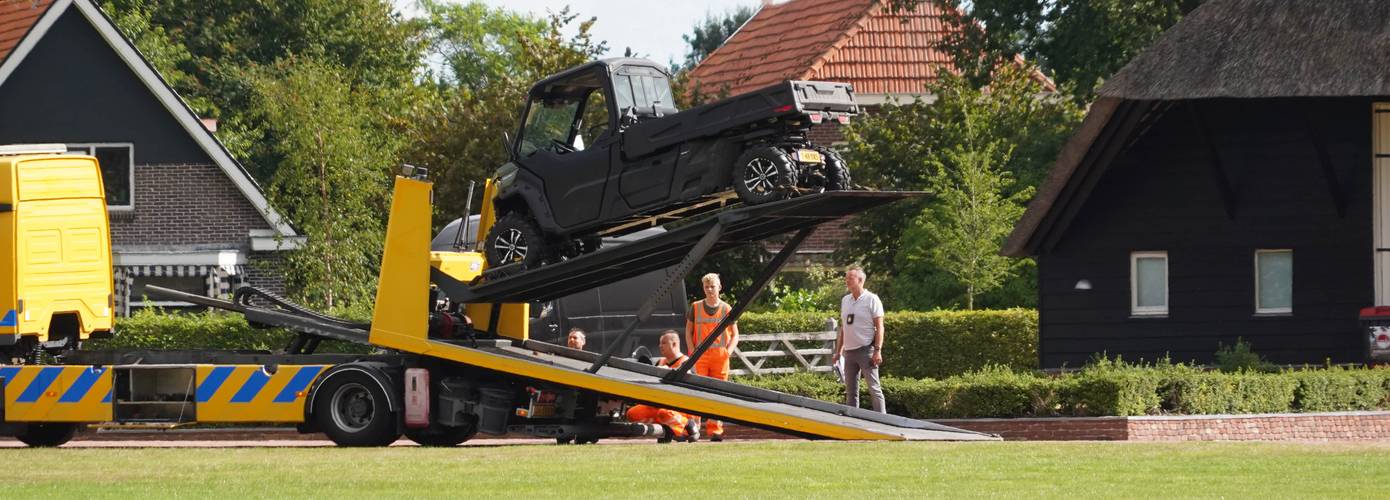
(548, 123)
(640, 87)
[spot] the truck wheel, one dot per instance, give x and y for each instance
(515, 238)
(836, 171)
(763, 174)
(47, 435)
(352, 410)
(441, 436)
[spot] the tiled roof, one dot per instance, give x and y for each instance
(16, 17)
(852, 41)
(780, 42)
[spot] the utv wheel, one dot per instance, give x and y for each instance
(47, 435)
(442, 436)
(515, 238)
(352, 410)
(763, 174)
(836, 171)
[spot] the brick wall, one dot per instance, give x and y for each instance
(1343, 426)
(185, 205)
(263, 270)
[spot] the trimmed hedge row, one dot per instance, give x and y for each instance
(152, 329)
(1110, 389)
(931, 344)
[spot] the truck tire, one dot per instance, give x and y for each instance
(436, 435)
(515, 238)
(47, 435)
(763, 174)
(353, 410)
(836, 171)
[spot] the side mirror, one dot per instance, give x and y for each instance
(656, 110)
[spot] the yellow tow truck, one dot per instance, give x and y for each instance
(452, 353)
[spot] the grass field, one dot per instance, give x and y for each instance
(708, 470)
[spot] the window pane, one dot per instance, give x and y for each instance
(547, 123)
(1276, 280)
(1152, 281)
(115, 174)
(622, 88)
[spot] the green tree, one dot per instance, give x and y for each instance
(1078, 42)
(228, 42)
(962, 232)
(335, 158)
(710, 33)
(905, 146)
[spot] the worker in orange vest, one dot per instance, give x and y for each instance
(676, 425)
(700, 321)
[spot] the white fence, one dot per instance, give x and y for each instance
(813, 355)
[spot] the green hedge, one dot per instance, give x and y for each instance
(154, 329)
(931, 344)
(1113, 389)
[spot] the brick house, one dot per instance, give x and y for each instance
(184, 213)
(887, 56)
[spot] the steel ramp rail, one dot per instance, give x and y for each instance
(749, 406)
(742, 226)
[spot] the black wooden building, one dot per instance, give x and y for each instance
(1233, 181)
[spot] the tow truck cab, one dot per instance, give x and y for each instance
(55, 250)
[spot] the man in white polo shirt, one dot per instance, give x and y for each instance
(861, 339)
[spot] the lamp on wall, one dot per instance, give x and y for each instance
(1083, 284)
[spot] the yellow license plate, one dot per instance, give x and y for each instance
(808, 156)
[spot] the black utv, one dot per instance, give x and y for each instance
(602, 151)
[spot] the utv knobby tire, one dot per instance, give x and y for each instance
(47, 435)
(353, 410)
(763, 174)
(836, 171)
(442, 436)
(515, 238)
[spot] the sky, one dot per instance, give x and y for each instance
(652, 28)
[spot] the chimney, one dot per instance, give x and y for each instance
(209, 123)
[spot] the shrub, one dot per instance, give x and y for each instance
(997, 391)
(1204, 393)
(1339, 389)
(1240, 357)
(934, 344)
(1113, 387)
(158, 329)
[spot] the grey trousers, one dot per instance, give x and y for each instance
(859, 363)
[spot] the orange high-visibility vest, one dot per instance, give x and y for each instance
(679, 361)
(705, 324)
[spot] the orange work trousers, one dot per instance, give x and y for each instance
(673, 420)
(714, 364)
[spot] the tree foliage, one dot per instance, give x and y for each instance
(710, 33)
(1011, 128)
(332, 177)
(1078, 42)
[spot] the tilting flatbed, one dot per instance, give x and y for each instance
(439, 380)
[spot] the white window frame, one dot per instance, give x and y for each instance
(91, 151)
(1273, 310)
(1147, 311)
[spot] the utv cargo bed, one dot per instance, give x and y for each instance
(783, 100)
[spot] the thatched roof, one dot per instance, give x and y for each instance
(1224, 48)
(1265, 48)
